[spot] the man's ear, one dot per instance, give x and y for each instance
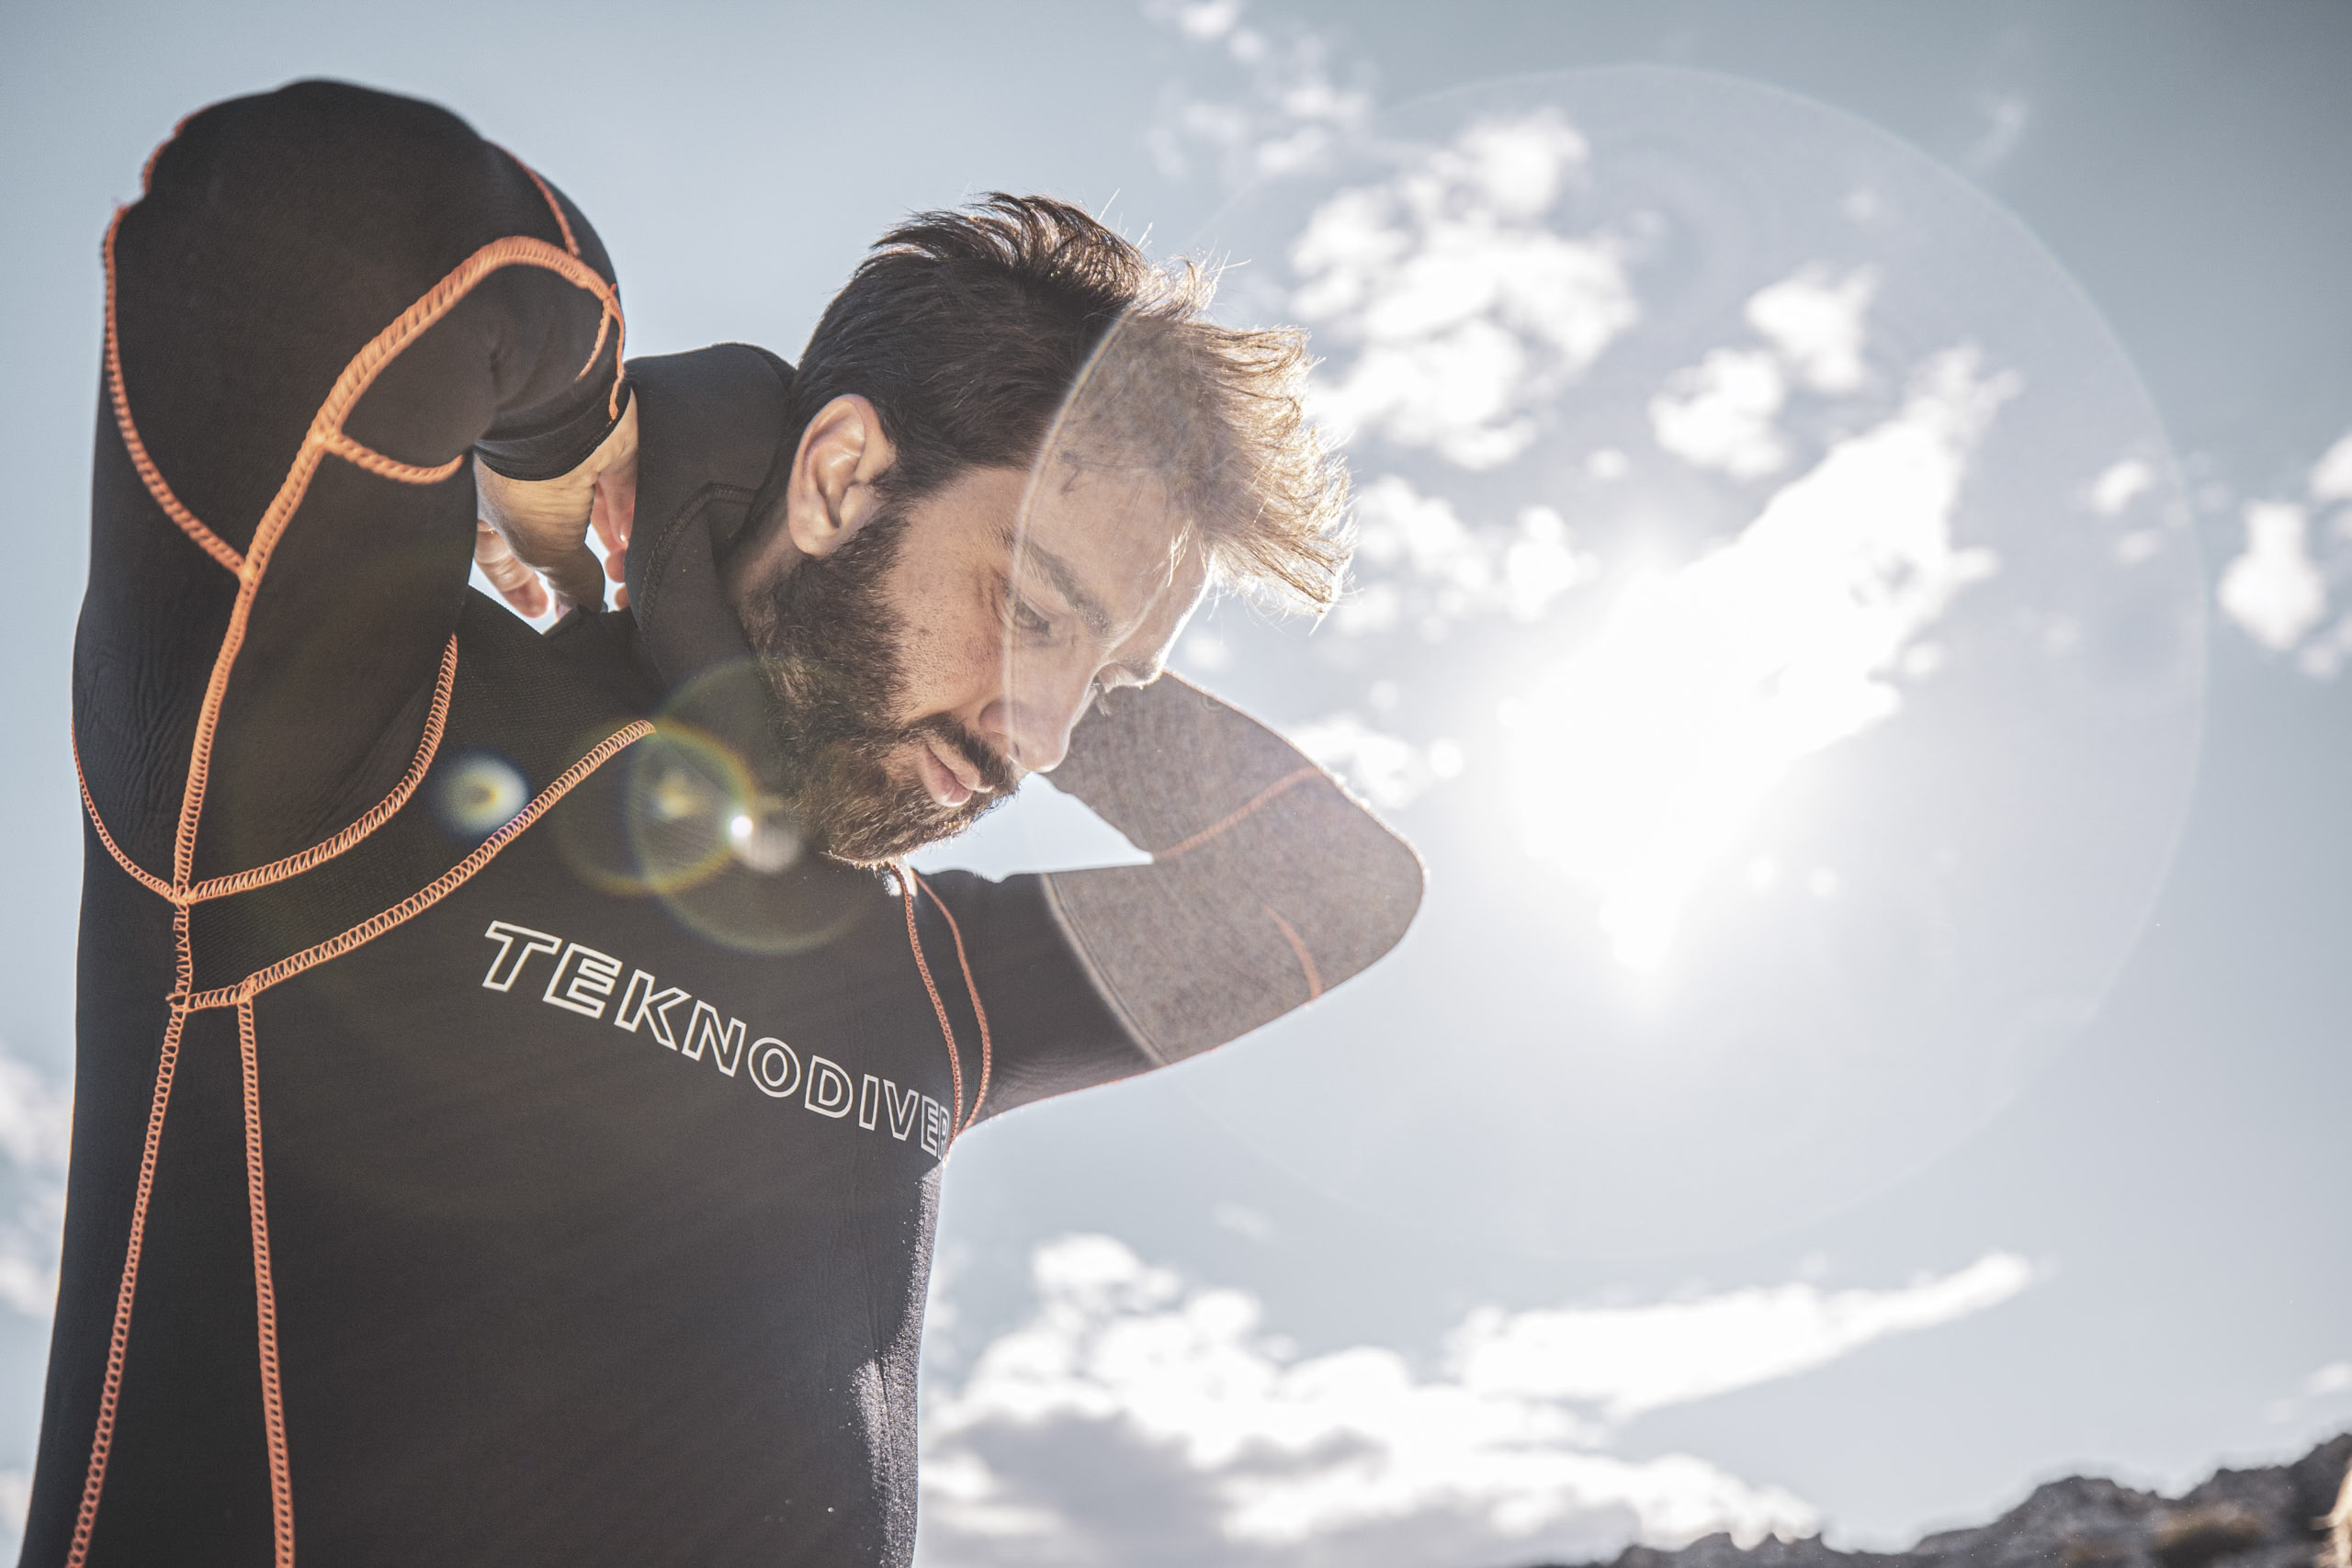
(830, 494)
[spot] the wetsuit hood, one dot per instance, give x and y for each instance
(713, 441)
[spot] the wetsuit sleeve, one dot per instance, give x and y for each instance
(1269, 883)
(326, 300)
(995, 952)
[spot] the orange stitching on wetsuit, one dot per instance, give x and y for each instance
(554, 206)
(1305, 959)
(148, 879)
(922, 967)
(356, 377)
(219, 550)
(375, 462)
(972, 989)
(612, 311)
(606, 318)
(326, 435)
(595, 352)
(147, 169)
(425, 897)
(102, 1437)
(241, 995)
(436, 720)
(1282, 785)
(273, 1405)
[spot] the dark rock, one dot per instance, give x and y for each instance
(2239, 1518)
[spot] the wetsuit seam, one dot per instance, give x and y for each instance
(325, 435)
(358, 375)
(118, 1338)
(972, 989)
(210, 543)
(930, 988)
(1298, 951)
(375, 462)
(428, 746)
(281, 1484)
(432, 892)
(1249, 807)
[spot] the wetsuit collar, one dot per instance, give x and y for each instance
(713, 440)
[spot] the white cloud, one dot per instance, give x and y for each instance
(1462, 305)
(2274, 591)
(1418, 562)
(1718, 413)
(1815, 322)
(1284, 101)
(2332, 475)
(2119, 484)
(1387, 770)
(1252, 1453)
(1630, 1359)
(1203, 22)
(2324, 1389)
(2326, 652)
(36, 1126)
(1243, 1220)
(1645, 754)
(2007, 114)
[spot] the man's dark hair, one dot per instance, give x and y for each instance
(970, 332)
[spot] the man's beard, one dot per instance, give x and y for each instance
(829, 654)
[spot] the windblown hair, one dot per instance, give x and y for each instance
(981, 334)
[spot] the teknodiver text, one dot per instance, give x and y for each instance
(584, 981)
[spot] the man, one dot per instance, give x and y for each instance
(515, 1071)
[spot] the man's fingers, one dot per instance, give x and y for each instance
(610, 519)
(515, 582)
(578, 579)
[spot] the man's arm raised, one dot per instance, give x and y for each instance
(1269, 884)
(326, 300)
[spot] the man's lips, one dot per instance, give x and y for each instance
(947, 778)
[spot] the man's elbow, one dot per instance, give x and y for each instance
(1372, 893)
(1394, 882)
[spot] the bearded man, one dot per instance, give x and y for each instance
(515, 1071)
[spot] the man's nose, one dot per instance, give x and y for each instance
(1033, 724)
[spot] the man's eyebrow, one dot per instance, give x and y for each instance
(1059, 572)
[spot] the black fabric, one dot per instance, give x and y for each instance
(559, 1279)
(731, 402)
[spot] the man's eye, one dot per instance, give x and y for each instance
(1029, 620)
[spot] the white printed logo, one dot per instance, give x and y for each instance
(583, 980)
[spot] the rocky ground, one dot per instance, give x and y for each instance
(2240, 1518)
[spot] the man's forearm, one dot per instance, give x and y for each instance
(1269, 884)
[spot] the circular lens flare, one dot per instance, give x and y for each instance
(1775, 619)
(478, 793)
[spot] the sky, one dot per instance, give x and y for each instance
(1855, 588)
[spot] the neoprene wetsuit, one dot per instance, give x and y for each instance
(433, 1200)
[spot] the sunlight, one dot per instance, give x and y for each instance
(1643, 758)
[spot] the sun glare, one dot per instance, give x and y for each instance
(1645, 755)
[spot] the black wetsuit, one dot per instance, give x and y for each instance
(433, 1200)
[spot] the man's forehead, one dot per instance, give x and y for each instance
(1108, 539)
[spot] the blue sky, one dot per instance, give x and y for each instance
(1446, 1270)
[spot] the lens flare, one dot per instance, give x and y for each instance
(712, 835)
(1776, 621)
(478, 793)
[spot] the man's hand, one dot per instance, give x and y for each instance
(532, 538)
